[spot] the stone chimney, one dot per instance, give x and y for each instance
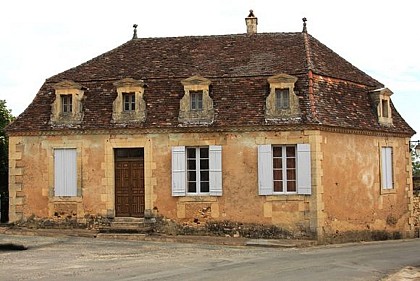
(251, 23)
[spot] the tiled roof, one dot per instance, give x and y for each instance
(238, 67)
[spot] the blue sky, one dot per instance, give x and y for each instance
(41, 38)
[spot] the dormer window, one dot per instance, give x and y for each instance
(196, 98)
(129, 101)
(67, 106)
(129, 105)
(196, 106)
(382, 104)
(282, 101)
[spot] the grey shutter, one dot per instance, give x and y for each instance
(178, 171)
(65, 172)
(215, 171)
(387, 177)
(265, 170)
(304, 169)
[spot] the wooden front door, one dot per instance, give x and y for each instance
(129, 183)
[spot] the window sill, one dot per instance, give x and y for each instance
(198, 198)
(285, 197)
(67, 199)
(388, 191)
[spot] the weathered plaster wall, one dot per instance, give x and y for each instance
(352, 194)
(346, 193)
(32, 178)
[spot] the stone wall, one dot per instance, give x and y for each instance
(346, 194)
(416, 206)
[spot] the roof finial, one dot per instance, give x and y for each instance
(304, 25)
(251, 14)
(135, 31)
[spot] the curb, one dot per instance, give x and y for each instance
(212, 240)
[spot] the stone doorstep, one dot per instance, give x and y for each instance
(126, 225)
(128, 220)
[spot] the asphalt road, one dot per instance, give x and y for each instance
(73, 258)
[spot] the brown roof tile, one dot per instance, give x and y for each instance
(238, 67)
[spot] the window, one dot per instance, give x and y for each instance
(196, 98)
(196, 106)
(284, 169)
(282, 98)
(65, 172)
(385, 108)
(197, 170)
(387, 181)
(381, 102)
(66, 102)
(129, 101)
(129, 105)
(282, 101)
(67, 107)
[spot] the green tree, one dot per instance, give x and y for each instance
(415, 160)
(5, 118)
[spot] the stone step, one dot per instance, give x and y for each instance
(130, 225)
(137, 230)
(126, 225)
(128, 219)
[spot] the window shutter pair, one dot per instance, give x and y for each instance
(386, 168)
(265, 169)
(65, 172)
(179, 185)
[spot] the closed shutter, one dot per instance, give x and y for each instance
(178, 171)
(215, 157)
(65, 172)
(387, 176)
(304, 169)
(265, 170)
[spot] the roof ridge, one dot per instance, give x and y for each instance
(310, 67)
(308, 51)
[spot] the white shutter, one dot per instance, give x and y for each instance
(215, 171)
(65, 172)
(265, 170)
(387, 176)
(178, 171)
(303, 169)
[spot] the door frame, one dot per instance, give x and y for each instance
(129, 154)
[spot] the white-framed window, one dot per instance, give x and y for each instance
(198, 181)
(197, 170)
(387, 177)
(284, 169)
(65, 172)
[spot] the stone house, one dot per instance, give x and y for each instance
(269, 128)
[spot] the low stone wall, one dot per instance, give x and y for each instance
(416, 205)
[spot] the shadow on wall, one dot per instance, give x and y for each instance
(4, 198)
